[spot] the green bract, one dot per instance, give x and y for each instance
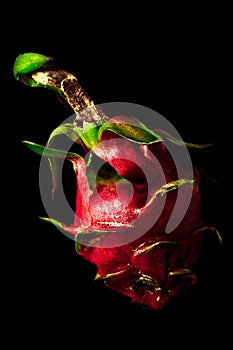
(131, 129)
(28, 62)
(51, 152)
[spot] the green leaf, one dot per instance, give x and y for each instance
(130, 128)
(72, 132)
(29, 81)
(89, 135)
(60, 225)
(53, 154)
(213, 229)
(68, 129)
(180, 272)
(94, 237)
(170, 186)
(114, 274)
(50, 152)
(28, 62)
(178, 142)
(148, 248)
(86, 135)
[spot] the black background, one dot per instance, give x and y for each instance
(175, 59)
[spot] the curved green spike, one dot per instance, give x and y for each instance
(180, 272)
(150, 247)
(130, 128)
(59, 224)
(51, 152)
(68, 129)
(178, 142)
(115, 274)
(28, 62)
(170, 186)
(78, 245)
(210, 228)
(72, 132)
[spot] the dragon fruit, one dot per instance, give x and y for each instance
(122, 210)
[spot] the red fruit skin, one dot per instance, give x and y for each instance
(167, 267)
(157, 266)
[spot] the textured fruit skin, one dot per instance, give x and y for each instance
(157, 266)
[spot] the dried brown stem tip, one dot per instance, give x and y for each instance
(67, 84)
